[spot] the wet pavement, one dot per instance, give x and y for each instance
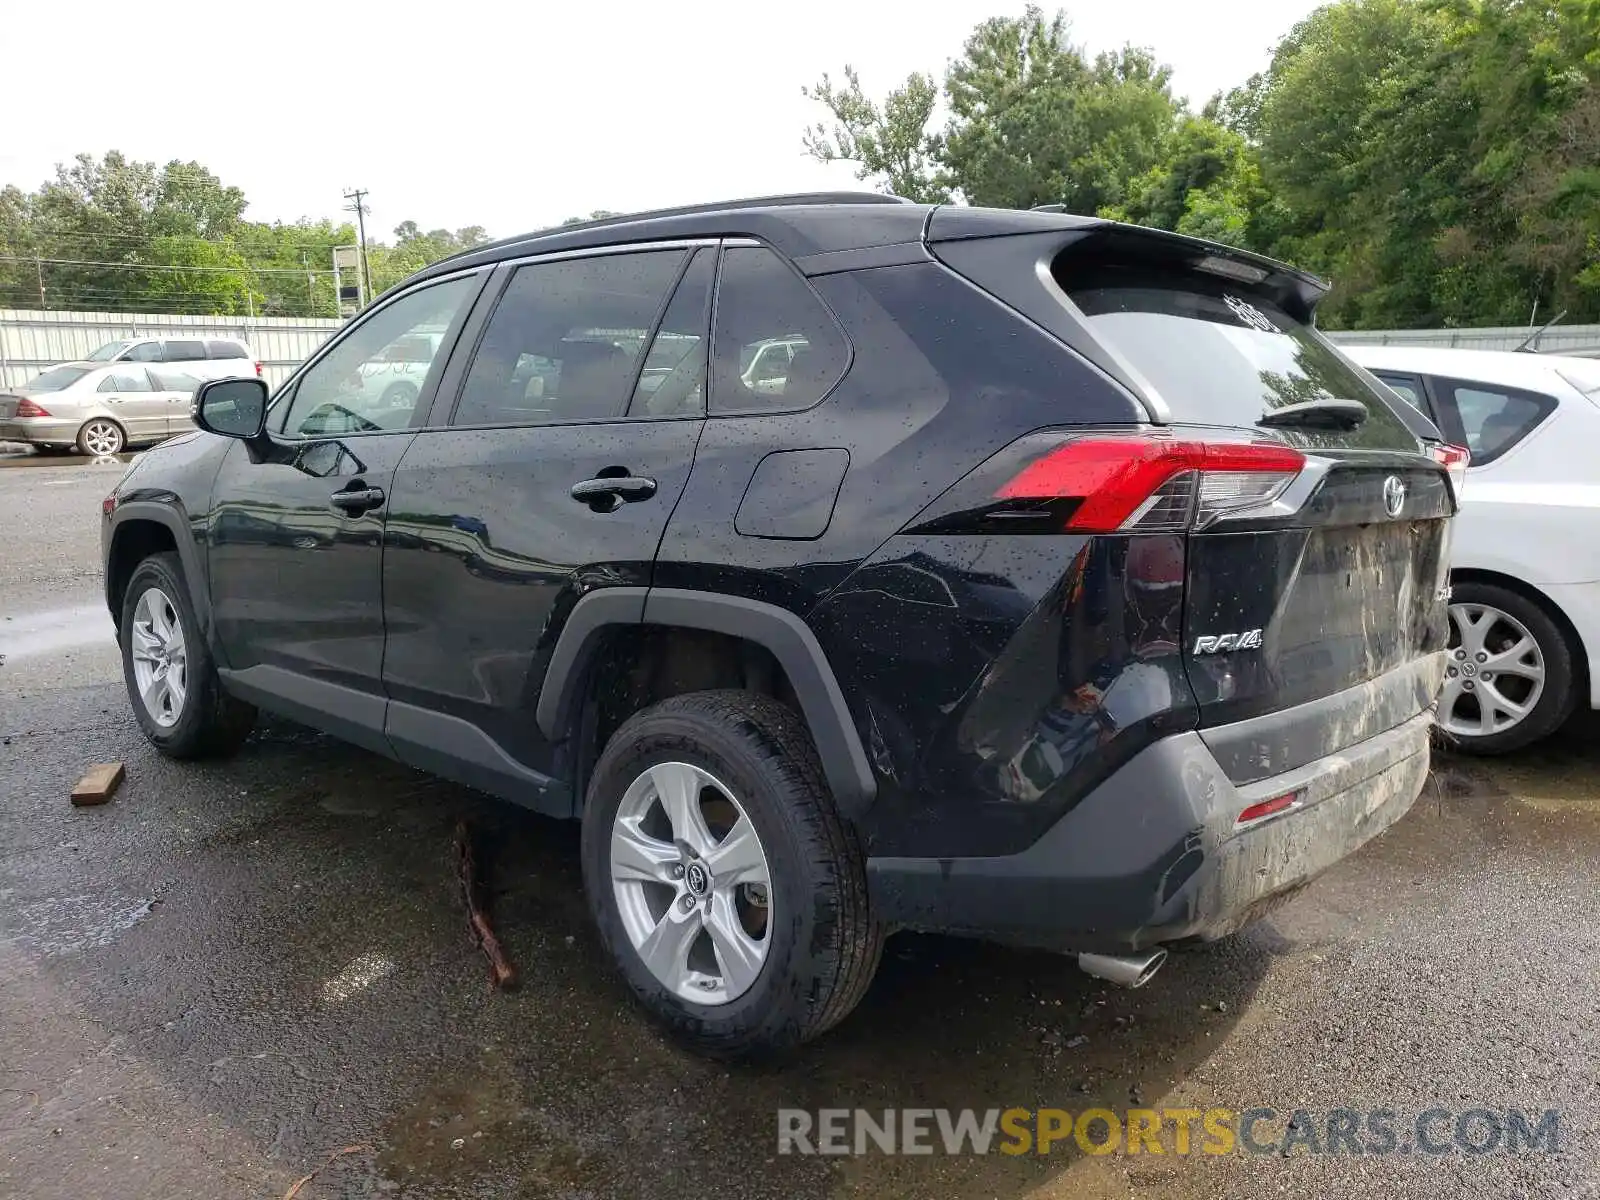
(237, 974)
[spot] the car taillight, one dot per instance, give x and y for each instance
(1454, 459)
(27, 408)
(258, 370)
(1154, 484)
(1267, 808)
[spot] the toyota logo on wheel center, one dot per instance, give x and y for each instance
(698, 879)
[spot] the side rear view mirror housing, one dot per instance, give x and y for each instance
(235, 408)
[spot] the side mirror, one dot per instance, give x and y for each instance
(235, 408)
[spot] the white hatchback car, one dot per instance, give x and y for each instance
(1525, 562)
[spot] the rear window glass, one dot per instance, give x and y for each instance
(1583, 375)
(57, 378)
(225, 350)
(1221, 354)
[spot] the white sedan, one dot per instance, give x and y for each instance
(1525, 562)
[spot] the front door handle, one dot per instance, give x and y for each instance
(608, 493)
(357, 499)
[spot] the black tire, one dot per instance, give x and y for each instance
(96, 422)
(821, 960)
(211, 722)
(1555, 704)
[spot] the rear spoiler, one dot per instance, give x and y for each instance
(1297, 291)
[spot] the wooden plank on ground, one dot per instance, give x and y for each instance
(98, 784)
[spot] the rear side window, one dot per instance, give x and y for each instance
(672, 382)
(126, 381)
(184, 351)
(225, 350)
(1408, 388)
(566, 340)
(776, 347)
(1489, 418)
(1219, 353)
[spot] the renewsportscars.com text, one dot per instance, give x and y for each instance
(1179, 1131)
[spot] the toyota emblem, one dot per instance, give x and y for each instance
(1394, 495)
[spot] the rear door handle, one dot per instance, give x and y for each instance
(357, 499)
(619, 489)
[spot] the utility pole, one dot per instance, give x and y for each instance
(311, 291)
(356, 196)
(39, 267)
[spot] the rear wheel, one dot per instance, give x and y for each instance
(101, 436)
(1508, 680)
(722, 879)
(172, 681)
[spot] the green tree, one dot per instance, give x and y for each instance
(891, 145)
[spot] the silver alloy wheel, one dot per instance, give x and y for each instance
(691, 882)
(102, 437)
(1495, 673)
(160, 662)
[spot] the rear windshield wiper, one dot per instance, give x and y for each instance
(1317, 414)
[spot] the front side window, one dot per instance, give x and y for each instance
(184, 351)
(107, 352)
(565, 341)
(1492, 419)
(145, 352)
(356, 388)
(776, 346)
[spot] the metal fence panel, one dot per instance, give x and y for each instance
(1583, 340)
(31, 340)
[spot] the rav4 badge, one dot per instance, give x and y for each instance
(1250, 639)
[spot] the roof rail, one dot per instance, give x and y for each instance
(686, 210)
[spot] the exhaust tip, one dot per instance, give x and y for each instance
(1129, 971)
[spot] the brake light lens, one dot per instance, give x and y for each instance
(1153, 484)
(1455, 460)
(258, 370)
(27, 408)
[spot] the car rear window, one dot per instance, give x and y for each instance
(226, 350)
(1220, 353)
(56, 379)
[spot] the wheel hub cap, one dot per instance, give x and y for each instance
(160, 660)
(692, 884)
(1495, 673)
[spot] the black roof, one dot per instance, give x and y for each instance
(824, 222)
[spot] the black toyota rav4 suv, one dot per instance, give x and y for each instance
(843, 565)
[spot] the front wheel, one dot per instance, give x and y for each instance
(722, 879)
(172, 681)
(1509, 675)
(101, 437)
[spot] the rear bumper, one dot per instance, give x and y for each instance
(49, 431)
(1152, 855)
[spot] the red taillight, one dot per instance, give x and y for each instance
(1268, 808)
(108, 505)
(27, 408)
(1454, 459)
(1155, 483)
(258, 370)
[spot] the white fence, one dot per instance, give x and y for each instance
(31, 340)
(1583, 340)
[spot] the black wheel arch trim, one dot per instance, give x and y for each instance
(787, 636)
(174, 522)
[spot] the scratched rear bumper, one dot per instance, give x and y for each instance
(1152, 856)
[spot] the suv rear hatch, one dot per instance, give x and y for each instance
(1317, 529)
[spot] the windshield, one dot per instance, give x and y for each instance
(1221, 354)
(56, 379)
(107, 352)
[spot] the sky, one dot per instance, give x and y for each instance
(515, 116)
